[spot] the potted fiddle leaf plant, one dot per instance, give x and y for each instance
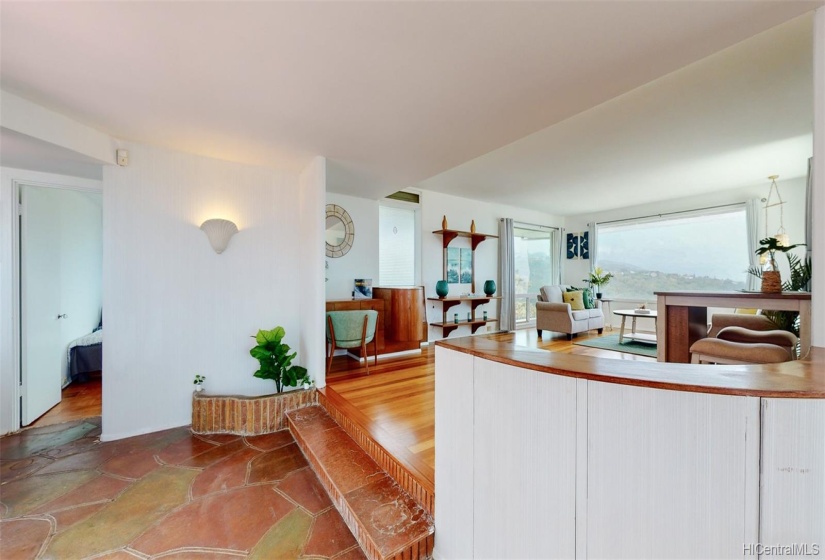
(598, 278)
(275, 359)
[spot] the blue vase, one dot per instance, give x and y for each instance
(490, 287)
(442, 288)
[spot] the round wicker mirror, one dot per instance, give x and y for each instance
(340, 231)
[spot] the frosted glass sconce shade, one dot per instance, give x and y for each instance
(219, 233)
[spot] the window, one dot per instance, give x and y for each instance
(703, 250)
(396, 246)
(534, 252)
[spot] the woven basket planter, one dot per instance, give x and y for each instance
(771, 282)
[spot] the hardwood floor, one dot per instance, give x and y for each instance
(397, 398)
(79, 400)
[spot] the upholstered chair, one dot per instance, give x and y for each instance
(736, 338)
(352, 329)
(553, 314)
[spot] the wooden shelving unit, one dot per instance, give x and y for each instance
(475, 238)
(449, 302)
(447, 236)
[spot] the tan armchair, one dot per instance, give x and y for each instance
(552, 314)
(719, 321)
(740, 338)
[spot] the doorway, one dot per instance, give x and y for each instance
(535, 250)
(60, 287)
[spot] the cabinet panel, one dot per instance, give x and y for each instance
(404, 318)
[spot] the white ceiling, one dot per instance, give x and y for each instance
(396, 93)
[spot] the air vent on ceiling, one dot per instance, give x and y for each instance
(405, 196)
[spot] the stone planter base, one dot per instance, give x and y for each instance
(234, 414)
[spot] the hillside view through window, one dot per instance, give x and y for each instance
(687, 251)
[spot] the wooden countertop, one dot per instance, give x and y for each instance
(737, 294)
(797, 379)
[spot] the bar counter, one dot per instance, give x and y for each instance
(541, 454)
(798, 379)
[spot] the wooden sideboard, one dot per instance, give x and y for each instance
(401, 317)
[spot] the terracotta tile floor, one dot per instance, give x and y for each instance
(63, 494)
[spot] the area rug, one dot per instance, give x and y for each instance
(611, 342)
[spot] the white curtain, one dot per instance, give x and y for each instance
(507, 280)
(753, 211)
(561, 256)
(809, 238)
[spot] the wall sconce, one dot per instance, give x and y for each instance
(219, 233)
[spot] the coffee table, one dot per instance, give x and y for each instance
(641, 337)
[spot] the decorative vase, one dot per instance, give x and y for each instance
(444, 222)
(490, 287)
(442, 288)
(771, 282)
(473, 226)
(598, 295)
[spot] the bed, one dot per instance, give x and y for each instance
(85, 355)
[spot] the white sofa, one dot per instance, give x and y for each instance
(552, 314)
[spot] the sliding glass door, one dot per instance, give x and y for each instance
(536, 262)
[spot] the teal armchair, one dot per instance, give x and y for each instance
(352, 329)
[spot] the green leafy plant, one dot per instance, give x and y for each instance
(771, 245)
(276, 361)
(199, 379)
(799, 280)
(598, 278)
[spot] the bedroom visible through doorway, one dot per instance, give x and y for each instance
(61, 252)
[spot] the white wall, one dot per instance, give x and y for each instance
(460, 212)
(174, 308)
(818, 218)
(362, 259)
(10, 179)
(792, 192)
(311, 345)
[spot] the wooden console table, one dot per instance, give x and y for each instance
(683, 317)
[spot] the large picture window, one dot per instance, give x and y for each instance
(702, 250)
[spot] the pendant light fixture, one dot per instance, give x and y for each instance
(781, 236)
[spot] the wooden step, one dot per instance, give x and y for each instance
(387, 522)
(408, 470)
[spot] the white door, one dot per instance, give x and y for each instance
(60, 271)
